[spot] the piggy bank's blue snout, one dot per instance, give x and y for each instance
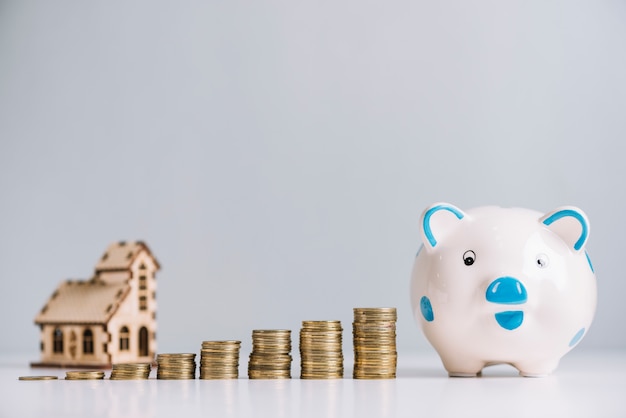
(506, 291)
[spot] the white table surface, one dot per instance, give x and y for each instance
(586, 384)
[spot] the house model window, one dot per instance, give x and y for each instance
(87, 342)
(106, 319)
(124, 339)
(57, 341)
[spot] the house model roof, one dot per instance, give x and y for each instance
(83, 302)
(94, 301)
(120, 256)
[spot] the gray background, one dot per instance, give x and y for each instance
(276, 155)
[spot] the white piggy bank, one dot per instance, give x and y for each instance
(496, 285)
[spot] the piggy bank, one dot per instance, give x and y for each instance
(496, 285)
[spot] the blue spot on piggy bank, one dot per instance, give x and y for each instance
(498, 285)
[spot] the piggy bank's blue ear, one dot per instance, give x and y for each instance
(437, 220)
(569, 223)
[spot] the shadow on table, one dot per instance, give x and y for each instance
(499, 370)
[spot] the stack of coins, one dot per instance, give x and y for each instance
(320, 350)
(270, 357)
(176, 366)
(219, 360)
(375, 355)
(130, 371)
(84, 375)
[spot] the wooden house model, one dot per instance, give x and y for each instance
(110, 318)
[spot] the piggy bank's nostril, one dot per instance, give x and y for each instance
(506, 291)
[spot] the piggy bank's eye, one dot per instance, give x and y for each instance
(469, 257)
(542, 261)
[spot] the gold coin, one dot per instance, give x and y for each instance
(84, 373)
(271, 331)
(218, 349)
(375, 314)
(168, 356)
(132, 366)
(38, 378)
(375, 310)
(333, 324)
